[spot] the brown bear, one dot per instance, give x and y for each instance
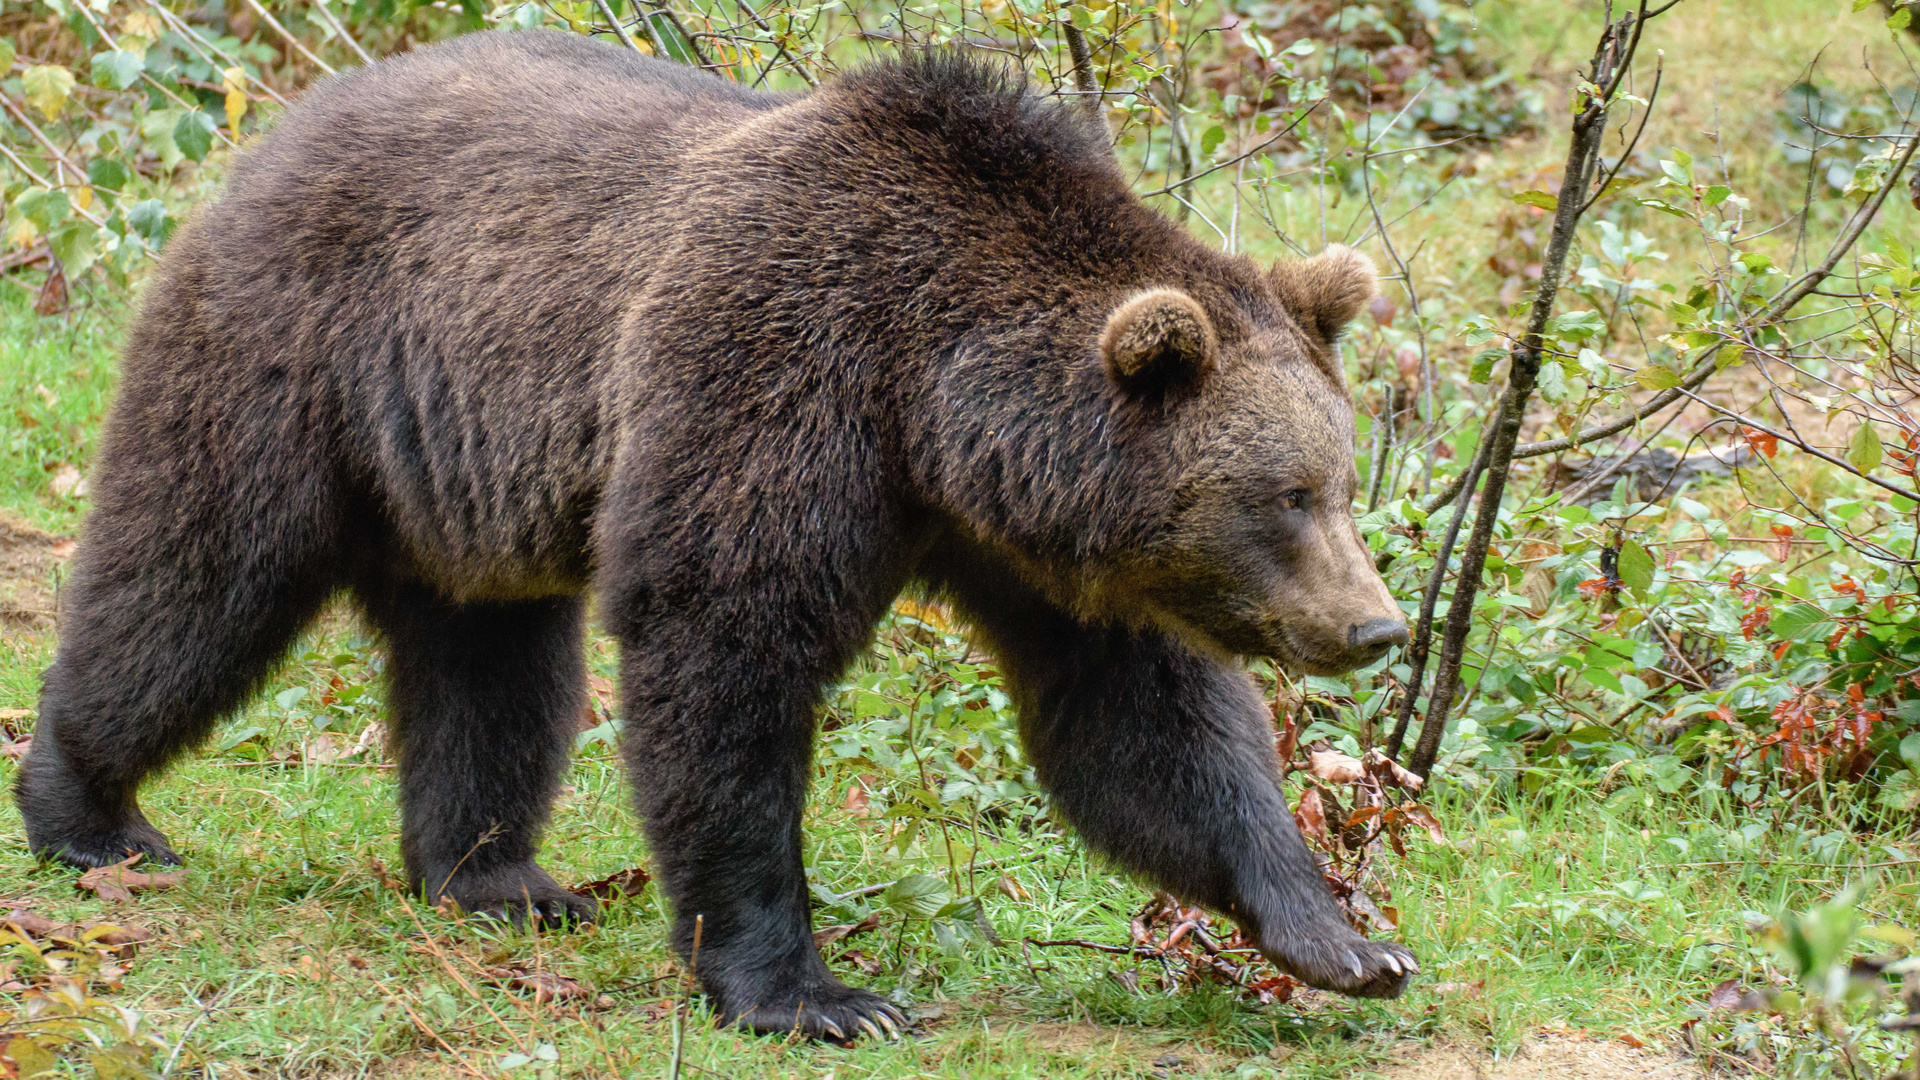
(502, 321)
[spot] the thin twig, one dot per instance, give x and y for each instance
(288, 36)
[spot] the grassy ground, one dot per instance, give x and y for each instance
(1600, 907)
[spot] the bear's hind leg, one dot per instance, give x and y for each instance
(484, 698)
(177, 608)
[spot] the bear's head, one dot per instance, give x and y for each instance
(1258, 553)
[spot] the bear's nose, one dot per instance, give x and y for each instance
(1374, 637)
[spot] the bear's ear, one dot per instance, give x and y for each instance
(1325, 292)
(1158, 339)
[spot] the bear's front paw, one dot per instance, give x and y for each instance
(521, 894)
(829, 1010)
(1346, 963)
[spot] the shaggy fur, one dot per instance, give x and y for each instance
(489, 325)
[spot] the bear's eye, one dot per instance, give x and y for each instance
(1297, 499)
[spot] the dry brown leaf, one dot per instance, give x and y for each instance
(628, 882)
(858, 802)
(1391, 773)
(545, 986)
(7, 715)
(1459, 989)
(1311, 817)
(120, 881)
(827, 935)
(1424, 818)
(1012, 889)
(1335, 767)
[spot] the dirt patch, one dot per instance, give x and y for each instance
(1549, 1058)
(28, 557)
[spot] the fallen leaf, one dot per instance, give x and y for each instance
(17, 748)
(120, 882)
(1311, 817)
(324, 749)
(1730, 996)
(1459, 989)
(827, 935)
(628, 882)
(858, 802)
(29, 923)
(68, 482)
(1012, 889)
(1335, 767)
(1633, 1040)
(63, 548)
(544, 985)
(14, 714)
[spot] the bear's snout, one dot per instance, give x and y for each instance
(1370, 640)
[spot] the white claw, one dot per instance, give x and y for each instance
(1413, 966)
(833, 1029)
(1394, 963)
(871, 1030)
(1354, 965)
(893, 1030)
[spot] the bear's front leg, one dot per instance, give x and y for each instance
(1163, 759)
(719, 743)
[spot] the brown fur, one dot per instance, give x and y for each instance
(490, 324)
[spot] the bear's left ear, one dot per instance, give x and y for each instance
(1325, 292)
(1159, 339)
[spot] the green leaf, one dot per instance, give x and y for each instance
(76, 246)
(1636, 568)
(1860, 5)
(918, 896)
(1794, 620)
(1910, 751)
(1655, 377)
(1864, 451)
(1900, 20)
(1717, 194)
(106, 174)
(1756, 263)
(6, 54)
(1552, 382)
(1483, 365)
(1543, 200)
(245, 734)
(43, 207)
(48, 87)
(1211, 139)
(117, 69)
(193, 134)
(1576, 325)
(149, 218)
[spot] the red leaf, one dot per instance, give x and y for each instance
(1761, 441)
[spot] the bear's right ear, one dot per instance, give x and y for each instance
(1159, 339)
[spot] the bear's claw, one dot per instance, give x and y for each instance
(1354, 966)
